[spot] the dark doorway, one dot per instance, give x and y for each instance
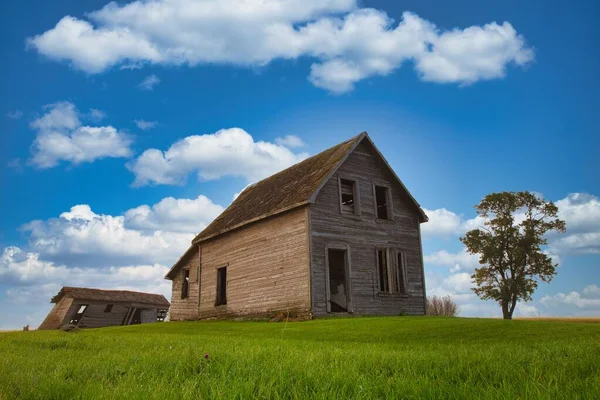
(137, 317)
(338, 284)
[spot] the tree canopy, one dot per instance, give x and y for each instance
(509, 245)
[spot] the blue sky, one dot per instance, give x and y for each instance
(459, 108)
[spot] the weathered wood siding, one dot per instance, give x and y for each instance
(362, 234)
(186, 309)
(267, 268)
(56, 316)
(95, 317)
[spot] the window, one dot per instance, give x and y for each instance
(391, 279)
(400, 278)
(221, 286)
(108, 308)
(382, 270)
(161, 315)
(348, 196)
(185, 286)
(79, 314)
(382, 202)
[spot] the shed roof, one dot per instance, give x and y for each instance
(110, 296)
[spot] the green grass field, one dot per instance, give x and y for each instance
(359, 358)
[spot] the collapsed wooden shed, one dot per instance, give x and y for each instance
(95, 308)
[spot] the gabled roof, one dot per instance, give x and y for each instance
(283, 191)
(125, 296)
(293, 187)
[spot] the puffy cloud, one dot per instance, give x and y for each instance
(290, 141)
(145, 125)
(347, 43)
(228, 152)
(61, 137)
(143, 235)
(473, 54)
(16, 265)
(588, 300)
(174, 215)
(458, 261)
(441, 223)
(581, 212)
(83, 237)
(149, 82)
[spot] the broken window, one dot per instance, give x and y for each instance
(382, 202)
(338, 297)
(185, 286)
(161, 315)
(383, 270)
(221, 286)
(108, 308)
(400, 278)
(348, 197)
(79, 314)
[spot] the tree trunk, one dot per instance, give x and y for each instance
(507, 310)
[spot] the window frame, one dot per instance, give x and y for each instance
(387, 270)
(355, 194)
(185, 284)
(401, 269)
(388, 202)
(108, 308)
(393, 272)
(221, 300)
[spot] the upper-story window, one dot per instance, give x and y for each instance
(382, 202)
(349, 202)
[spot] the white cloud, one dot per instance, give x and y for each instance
(149, 82)
(589, 300)
(473, 54)
(14, 114)
(441, 223)
(174, 215)
(61, 137)
(458, 261)
(290, 141)
(143, 235)
(145, 125)
(228, 152)
(96, 115)
(348, 43)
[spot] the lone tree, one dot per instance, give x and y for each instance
(509, 247)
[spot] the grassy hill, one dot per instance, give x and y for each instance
(360, 358)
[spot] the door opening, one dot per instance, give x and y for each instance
(338, 283)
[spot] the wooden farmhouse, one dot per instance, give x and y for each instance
(335, 233)
(95, 308)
